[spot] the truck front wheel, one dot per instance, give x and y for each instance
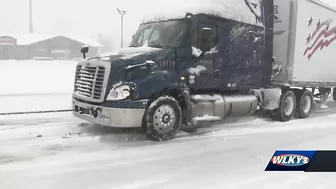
(287, 107)
(162, 119)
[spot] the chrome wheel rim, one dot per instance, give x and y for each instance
(164, 118)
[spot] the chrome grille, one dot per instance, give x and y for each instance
(89, 81)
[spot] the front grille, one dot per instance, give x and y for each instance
(89, 81)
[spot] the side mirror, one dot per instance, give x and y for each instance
(84, 50)
(205, 36)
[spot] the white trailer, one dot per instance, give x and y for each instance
(304, 43)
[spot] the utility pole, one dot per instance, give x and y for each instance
(31, 30)
(122, 13)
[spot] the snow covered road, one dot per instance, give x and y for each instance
(72, 154)
(59, 151)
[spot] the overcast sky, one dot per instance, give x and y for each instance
(87, 17)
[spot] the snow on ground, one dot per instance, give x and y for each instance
(34, 77)
(59, 151)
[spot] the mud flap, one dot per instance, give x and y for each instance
(270, 98)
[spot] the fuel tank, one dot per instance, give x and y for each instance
(217, 107)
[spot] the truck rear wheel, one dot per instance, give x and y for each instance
(162, 119)
(287, 107)
(305, 99)
(334, 93)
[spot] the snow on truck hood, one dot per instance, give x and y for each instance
(231, 9)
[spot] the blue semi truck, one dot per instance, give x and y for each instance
(222, 59)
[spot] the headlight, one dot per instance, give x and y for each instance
(126, 93)
(120, 92)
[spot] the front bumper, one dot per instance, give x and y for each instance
(121, 117)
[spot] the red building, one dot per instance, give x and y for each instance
(31, 46)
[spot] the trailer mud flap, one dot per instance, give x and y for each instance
(270, 98)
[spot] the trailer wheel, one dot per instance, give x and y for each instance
(162, 119)
(305, 99)
(287, 107)
(334, 93)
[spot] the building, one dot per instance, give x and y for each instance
(31, 46)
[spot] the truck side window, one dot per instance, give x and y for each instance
(213, 39)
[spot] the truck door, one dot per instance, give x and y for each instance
(205, 73)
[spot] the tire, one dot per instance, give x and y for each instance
(305, 105)
(334, 94)
(162, 119)
(287, 107)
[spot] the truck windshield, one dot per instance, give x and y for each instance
(160, 34)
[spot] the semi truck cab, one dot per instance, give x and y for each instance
(190, 69)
